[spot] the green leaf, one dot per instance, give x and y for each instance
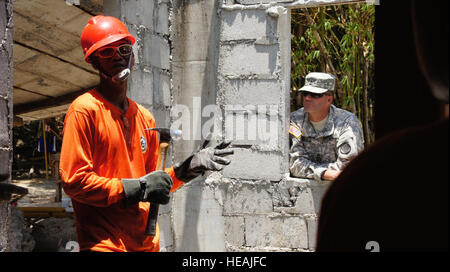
(327, 25)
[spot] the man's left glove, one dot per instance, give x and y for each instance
(208, 158)
(154, 187)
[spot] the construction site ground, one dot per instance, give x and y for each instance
(40, 222)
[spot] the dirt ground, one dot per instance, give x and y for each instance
(41, 192)
(49, 234)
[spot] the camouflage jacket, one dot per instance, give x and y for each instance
(312, 153)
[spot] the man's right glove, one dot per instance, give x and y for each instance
(154, 187)
(207, 159)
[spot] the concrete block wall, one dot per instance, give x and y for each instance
(251, 74)
(6, 111)
(197, 221)
(234, 55)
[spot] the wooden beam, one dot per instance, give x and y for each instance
(55, 57)
(44, 212)
(47, 103)
(42, 209)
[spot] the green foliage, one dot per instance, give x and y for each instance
(338, 40)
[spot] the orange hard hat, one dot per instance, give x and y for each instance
(100, 31)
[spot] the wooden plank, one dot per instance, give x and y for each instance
(21, 54)
(22, 77)
(52, 69)
(22, 96)
(62, 101)
(41, 35)
(42, 209)
(44, 212)
(52, 27)
(53, 12)
(46, 215)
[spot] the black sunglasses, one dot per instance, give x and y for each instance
(313, 95)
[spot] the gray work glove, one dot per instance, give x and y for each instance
(154, 187)
(207, 158)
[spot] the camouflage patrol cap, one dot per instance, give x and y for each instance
(318, 83)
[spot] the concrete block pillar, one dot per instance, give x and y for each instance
(6, 111)
(254, 90)
(230, 58)
(196, 214)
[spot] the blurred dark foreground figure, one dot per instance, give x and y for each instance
(394, 195)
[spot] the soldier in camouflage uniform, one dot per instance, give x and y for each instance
(324, 138)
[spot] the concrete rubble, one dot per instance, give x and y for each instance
(54, 234)
(20, 237)
(45, 234)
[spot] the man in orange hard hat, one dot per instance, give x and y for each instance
(108, 158)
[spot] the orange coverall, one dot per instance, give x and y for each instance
(101, 145)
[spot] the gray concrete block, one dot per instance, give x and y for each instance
(162, 116)
(304, 195)
(305, 203)
(248, 60)
(165, 230)
(318, 192)
(193, 30)
(138, 12)
(5, 124)
(312, 225)
(197, 220)
(253, 165)
(195, 46)
(5, 158)
(156, 51)
(235, 230)
(189, 79)
(164, 89)
(162, 23)
(228, 2)
(257, 125)
(193, 108)
(166, 209)
(112, 8)
(6, 71)
(248, 198)
(280, 231)
(140, 86)
(4, 17)
(252, 92)
(247, 24)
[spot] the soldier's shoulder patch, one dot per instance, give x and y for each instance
(295, 131)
